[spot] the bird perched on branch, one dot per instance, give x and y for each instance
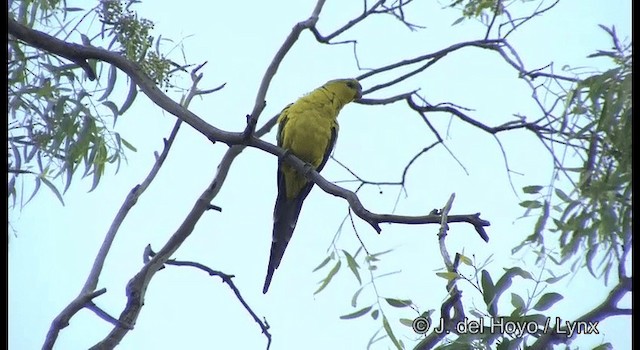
(307, 129)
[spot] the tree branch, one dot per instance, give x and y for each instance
(606, 309)
(131, 199)
(454, 301)
(351, 23)
(275, 63)
(74, 52)
(62, 320)
(226, 279)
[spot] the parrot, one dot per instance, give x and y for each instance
(308, 129)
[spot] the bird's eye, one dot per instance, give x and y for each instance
(351, 84)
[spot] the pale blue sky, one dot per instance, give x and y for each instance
(184, 308)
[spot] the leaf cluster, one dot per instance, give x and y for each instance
(595, 216)
(58, 121)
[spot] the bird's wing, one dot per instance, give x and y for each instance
(286, 211)
(307, 188)
(282, 121)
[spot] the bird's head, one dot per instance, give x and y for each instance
(347, 89)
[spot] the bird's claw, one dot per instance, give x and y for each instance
(307, 168)
(287, 153)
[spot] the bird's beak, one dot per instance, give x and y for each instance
(358, 95)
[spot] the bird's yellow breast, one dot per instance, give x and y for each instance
(307, 134)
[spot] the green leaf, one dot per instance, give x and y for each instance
(547, 301)
(477, 314)
(609, 220)
(111, 82)
(90, 159)
(504, 344)
(559, 224)
(353, 265)
(487, 286)
(52, 188)
(504, 282)
(457, 21)
(12, 191)
(398, 302)
(488, 292)
(568, 210)
(563, 196)
(356, 314)
(517, 301)
(428, 313)
(354, 298)
(572, 169)
(322, 264)
(607, 270)
(406, 322)
(517, 312)
(520, 272)
(69, 177)
(131, 96)
(605, 346)
(327, 279)
(114, 110)
(130, 147)
(531, 204)
(374, 257)
(552, 280)
(375, 314)
(542, 220)
(357, 252)
(532, 189)
(449, 276)
(98, 170)
(16, 157)
(465, 260)
(387, 328)
(35, 190)
(589, 258)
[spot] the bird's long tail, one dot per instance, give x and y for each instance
(285, 217)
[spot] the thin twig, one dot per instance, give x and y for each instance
(226, 278)
(275, 63)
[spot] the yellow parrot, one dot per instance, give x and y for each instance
(308, 129)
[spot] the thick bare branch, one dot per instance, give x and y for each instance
(62, 320)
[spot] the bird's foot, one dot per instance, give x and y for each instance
(286, 154)
(307, 168)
